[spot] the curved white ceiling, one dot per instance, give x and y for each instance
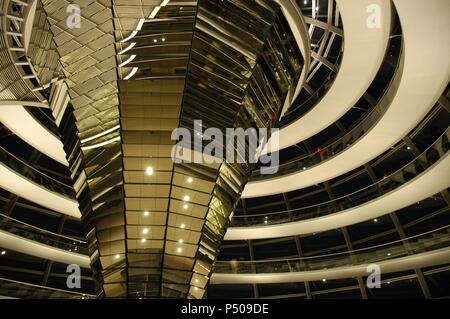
(19, 121)
(433, 180)
(364, 50)
(298, 28)
(426, 73)
(426, 259)
(19, 185)
(32, 248)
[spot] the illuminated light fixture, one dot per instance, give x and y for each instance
(3, 252)
(408, 148)
(375, 220)
(117, 138)
(112, 129)
(146, 213)
(195, 288)
(266, 217)
(183, 226)
(317, 8)
(154, 12)
(143, 240)
(196, 280)
(133, 72)
(163, 39)
(131, 36)
(140, 24)
(190, 179)
(127, 48)
(186, 198)
(180, 241)
(388, 282)
(117, 256)
(179, 250)
(145, 231)
(305, 2)
(304, 167)
(388, 254)
(131, 58)
(265, 222)
(149, 170)
(185, 206)
(155, 40)
(324, 280)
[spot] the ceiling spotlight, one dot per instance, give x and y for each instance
(195, 288)
(324, 280)
(186, 198)
(304, 167)
(408, 148)
(163, 39)
(305, 2)
(145, 231)
(265, 222)
(143, 240)
(196, 280)
(388, 254)
(183, 226)
(149, 170)
(185, 206)
(375, 220)
(180, 241)
(117, 256)
(266, 217)
(179, 250)
(155, 40)
(3, 252)
(146, 213)
(190, 179)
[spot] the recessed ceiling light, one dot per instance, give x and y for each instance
(146, 213)
(375, 220)
(3, 252)
(186, 198)
(179, 250)
(265, 222)
(143, 240)
(324, 280)
(196, 280)
(409, 147)
(266, 217)
(190, 179)
(117, 256)
(195, 288)
(182, 226)
(185, 206)
(149, 170)
(163, 39)
(145, 231)
(388, 254)
(180, 241)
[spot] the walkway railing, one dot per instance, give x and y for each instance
(408, 172)
(29, 172)
(19, 228)
(18, 289)
(435, 239)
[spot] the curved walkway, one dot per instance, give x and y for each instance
(364, 50)
(426, 259)
(433, 180)
(425, 75)
(25, 188)
(19, 121)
